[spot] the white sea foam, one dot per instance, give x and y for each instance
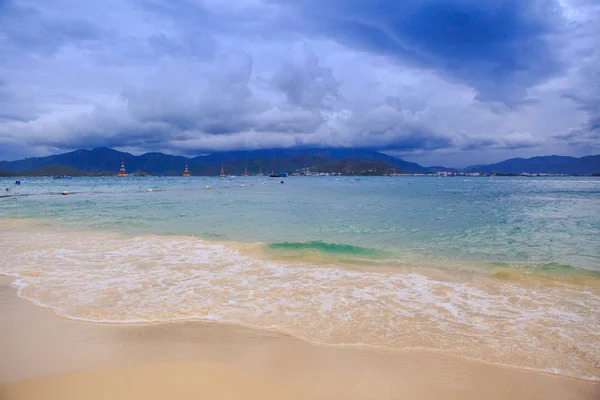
(104, 277)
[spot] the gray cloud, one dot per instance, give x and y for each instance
(13, 105)
(27, 30)
(428, 80)
(304, 81)
(499, 47)
(584, 89)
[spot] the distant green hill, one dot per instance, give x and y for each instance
(266, 165)
(53, 170)
(357, 166)
(106, 161)
(542, 165)
(103, 159)
(64, 170)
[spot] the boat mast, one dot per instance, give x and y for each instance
(122, 171)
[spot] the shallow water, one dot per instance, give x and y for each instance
(503, 270)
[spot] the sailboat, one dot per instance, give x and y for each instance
(122, 172)
(186, 172)
(260, 172)
(273, 174)
(246, 170)
(222, 174)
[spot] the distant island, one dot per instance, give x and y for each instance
(310, 161)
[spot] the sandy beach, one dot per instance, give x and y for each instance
(48, 357)
(299, 199)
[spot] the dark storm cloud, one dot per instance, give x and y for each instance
(422, 78)
(28, 30)
(499, 47)
(225, 102)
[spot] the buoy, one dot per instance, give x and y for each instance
(281, 182)
(17, 182)
(207, 187)
(243, 185)
(7, 189)
(149, 190)
(64, 193)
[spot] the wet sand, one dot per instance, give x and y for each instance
(43, 356)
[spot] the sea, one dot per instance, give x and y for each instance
(503, 270)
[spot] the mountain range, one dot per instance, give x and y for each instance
(542, 165)
(104, 159)
(234, 162)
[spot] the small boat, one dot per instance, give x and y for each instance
(280, 175)
(122, 172)
(62, 177)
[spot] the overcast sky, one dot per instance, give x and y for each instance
(439, 82)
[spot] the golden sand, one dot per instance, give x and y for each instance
(47, 357)
(184, 380)
(105, 277)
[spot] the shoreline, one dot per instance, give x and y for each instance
(75, 354)
(389, 262)
(377, 308)
(241, 325)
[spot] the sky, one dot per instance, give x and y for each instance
(438, 82)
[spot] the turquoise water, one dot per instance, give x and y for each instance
(518, 222)
(500, 270)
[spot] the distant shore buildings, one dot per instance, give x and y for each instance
(368, 171)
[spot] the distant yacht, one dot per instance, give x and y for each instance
(222, 174)
(281, 175)
(186, 172)
(260, 172)
(122, 172)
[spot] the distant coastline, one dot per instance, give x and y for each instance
(57, 171)
(315, 161)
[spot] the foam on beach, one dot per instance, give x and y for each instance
(109, 278)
